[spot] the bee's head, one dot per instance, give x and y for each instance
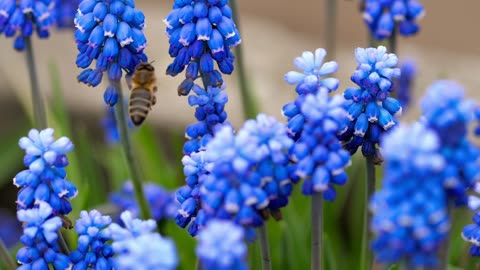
(145, 66)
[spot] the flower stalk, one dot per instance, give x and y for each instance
(250, 107)
(366, 256)
(317, 231)
(121, 118)
(264, 248)
(39, 113)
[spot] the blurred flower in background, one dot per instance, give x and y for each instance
(19, 19)
(64, 13)
(11, 229)
(383, 16)
(404, 86)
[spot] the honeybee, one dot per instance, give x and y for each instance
(142, 96)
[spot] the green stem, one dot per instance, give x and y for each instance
(317, 231)
(63, 245)
(121, 119)
(198, 265)
(392, 41)
(250, 107)
(331, 27)
(38, 106)
(5, 256)
(366, 256)
(264, 248)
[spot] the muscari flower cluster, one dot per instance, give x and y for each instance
(471, 233)
(241, 177)
(200, 34)
(111, 33)
(19, 19)
(383, 16)
(370, 109)
(410, 216)
(40, 234)
(221, 246)
(308, 81)
(319, 156)
(92, 251)
(64, 13)
(161, 202)
(44, 180)
(404, 86)
(10, 230)
(137, 246)
(447, 112)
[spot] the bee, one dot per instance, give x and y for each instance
(142, 96)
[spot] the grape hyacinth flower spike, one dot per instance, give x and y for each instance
(410, 218)
(448, 113)
(471, 234)
(92, 251)
(111, 33)
(382, 17)
(201, 33)
(137, 246)
(221, 246)
(19, 20)
(404, 87)
(40, 234)
(313, 75)
(44, 180)
(64, 13)
(370, 109)
(320, 158)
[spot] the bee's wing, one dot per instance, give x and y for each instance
(128, 79)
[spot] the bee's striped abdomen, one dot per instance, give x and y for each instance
(139, 105)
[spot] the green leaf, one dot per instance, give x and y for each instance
(11, 155)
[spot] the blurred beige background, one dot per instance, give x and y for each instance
(274, 32)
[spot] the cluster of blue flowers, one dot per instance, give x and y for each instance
(383, 16)
(162, 202)
(221, 246)
(19, 19)
(410, 211)
(308, 81)
(139, 247)
(320, 158)
(64, 13)
(111, 33)
(92, 251)
(447, 112)
(404, 87)
(239, 177)
(200, 34)
(40, 235)
(471, 234)
(370, 109)
(44, 180)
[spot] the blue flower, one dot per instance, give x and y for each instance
(210, 113)
(111, 33)
(64, 13)
(410, 216)
(248, 177)
(370, 109)
(201, 33)
(19, 19)
(40, 234)
(92, 251)
(138, 247)
(320, 158)
(447, 112)
(383, 16)
(221, 246)
(404, 87)
(477, 121)
(308, 81)
(45, 178)
(471, 233)
(162, 202)
(10, 230)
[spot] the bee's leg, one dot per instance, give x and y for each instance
(154, 100)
